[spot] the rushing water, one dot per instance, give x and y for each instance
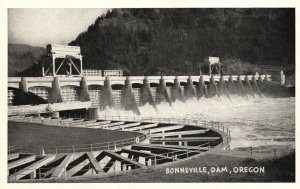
(257, 121)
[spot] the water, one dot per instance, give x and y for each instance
(260, 122)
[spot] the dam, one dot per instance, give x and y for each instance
(129, 92)
(65, 88)
(65, 81)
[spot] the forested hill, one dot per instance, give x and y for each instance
(22, 57)
(174, 41)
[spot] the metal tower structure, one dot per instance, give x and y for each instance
(214, 64)
(62, 61)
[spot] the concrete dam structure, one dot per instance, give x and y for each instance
(65, 81)
(128, 93)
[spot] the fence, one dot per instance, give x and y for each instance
(46, 108)
(267, 153)
(67, 122)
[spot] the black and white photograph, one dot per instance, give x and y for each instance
(150, 95)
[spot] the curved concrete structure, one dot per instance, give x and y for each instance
(152, 147)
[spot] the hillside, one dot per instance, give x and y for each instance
(22, 57)
(175, 41)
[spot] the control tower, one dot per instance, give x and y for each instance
(214, 65)
(62, 61)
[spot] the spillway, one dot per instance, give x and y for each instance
(130, 93)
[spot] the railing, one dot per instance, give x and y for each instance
(42, 150)
(266, 153)
(206, 77)
(76, 122)
(46, 108)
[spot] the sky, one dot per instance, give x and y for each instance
(39, 27)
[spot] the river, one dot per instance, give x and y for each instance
(259, 122)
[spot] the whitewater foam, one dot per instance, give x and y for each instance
(254, 121)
